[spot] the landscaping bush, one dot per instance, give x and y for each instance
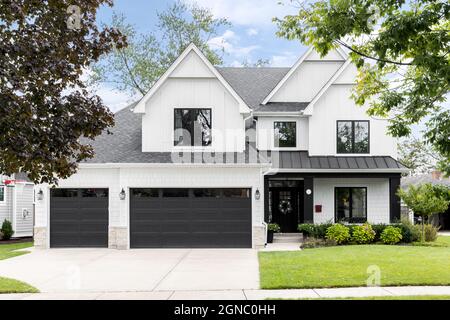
(338, 233)
(391, 235)
(7, 230)
(378, 228)
(430, 232)
(307, 229)
(321, 230)
(410, 232)
(318, 231)
(363, 234)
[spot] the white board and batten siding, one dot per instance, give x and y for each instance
(266, 134)
(335, 105)
(192, 85)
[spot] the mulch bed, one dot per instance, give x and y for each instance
(19, 240)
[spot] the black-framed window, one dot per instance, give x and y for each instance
(353, 137)
(285, 134)
(193, 127)
(2, 194)
(351, 204)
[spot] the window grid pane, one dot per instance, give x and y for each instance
(351, 204)
(353, 137)
(285, 134)
(192, 127)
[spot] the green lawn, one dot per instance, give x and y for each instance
(442, 241)
(7, 250)
(346, 266)
(11, 285)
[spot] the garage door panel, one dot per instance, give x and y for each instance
(206, 218)
(146, 240)
(93, 239)
(79, 218)
(66, 226)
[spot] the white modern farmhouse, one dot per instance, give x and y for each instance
(211, 155)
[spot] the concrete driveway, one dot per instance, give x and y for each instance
(104, 270)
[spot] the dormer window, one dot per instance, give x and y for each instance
(192, 128)
(353, 137)
(285, 134)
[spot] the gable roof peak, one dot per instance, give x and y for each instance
(140, 107)
(294, 68)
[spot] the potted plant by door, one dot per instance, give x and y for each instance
(271, 229)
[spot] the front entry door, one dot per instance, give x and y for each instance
(285, 208)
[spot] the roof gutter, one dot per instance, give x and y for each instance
(170, 165)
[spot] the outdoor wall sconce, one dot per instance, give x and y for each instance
(308, 192)
(40, 195)
(122, 195)
(257, 194)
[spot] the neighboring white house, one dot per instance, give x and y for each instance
(210, 155)
(16, 204)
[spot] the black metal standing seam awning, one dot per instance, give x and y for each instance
(302, 160)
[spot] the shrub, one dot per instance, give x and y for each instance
(338, 233)
(378, 228)
(391, 235)
(320, 230)
(274, 227)
(430, 232)
(410, 232)
(307, 229)
(314, 230)
(7, 230)
(363, 234)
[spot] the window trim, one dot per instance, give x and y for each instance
(3, 202)
(336, 220)
(274, 135)
(353, 136)
(191, 146)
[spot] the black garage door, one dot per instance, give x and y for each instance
(79, 218)
(190, 218)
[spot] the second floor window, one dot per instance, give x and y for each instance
(353, 137)
(193, 128)
(285, 134)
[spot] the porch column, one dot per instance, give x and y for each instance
(394, 199)
(308, 202)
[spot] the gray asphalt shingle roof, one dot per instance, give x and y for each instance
(253, 85)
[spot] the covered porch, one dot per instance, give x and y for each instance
(306, 189)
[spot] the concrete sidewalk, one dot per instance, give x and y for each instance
(238, 294)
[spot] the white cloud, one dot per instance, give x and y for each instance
(228, 41)
(287, 59)
(247, 12)
(252, 32)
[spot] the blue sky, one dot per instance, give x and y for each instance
(250, 37)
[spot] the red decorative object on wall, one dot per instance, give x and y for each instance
(318, 208)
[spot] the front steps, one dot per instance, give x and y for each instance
(287, 238)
